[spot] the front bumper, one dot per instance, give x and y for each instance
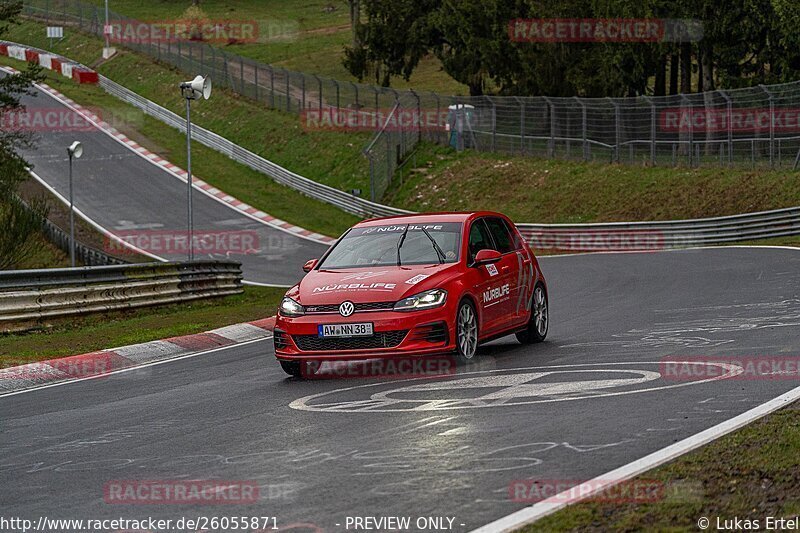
(395, 334)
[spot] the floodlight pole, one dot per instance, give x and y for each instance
(188, 95)
(71, 216)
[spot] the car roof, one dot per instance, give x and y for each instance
(425, 218)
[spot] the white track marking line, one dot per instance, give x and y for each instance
(603, 482)
(138, 367)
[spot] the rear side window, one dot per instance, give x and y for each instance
(479, 239)
(516, 238)
(501, 235)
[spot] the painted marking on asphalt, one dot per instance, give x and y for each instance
(503, 388)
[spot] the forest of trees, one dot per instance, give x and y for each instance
(745, 43)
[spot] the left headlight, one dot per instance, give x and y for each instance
(423, 300)
(291, 308)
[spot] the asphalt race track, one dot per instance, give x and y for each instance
(588, 400)
(123, 192)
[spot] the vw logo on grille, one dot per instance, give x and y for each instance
(347, 308)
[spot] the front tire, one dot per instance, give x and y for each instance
(539, 323)
(466, 332)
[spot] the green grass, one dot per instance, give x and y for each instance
(44, 255)
(67, 337)
(532, 189)
(751, 473)
(318, 32)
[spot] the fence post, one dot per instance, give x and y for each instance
(338, 104)
(288, 98)
(494, 123)
(256, 66)
(521, 125)
(303, 89)
(771, 124)
(551, 143)
(355, 88)
(691, 129)
(319, 87)
(617, 138)
(729, 106)
(652, 129)
(271, 87)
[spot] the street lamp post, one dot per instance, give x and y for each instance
(107, 51)
(192, 90)
(75, 150)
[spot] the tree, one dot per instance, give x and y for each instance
(19, 221)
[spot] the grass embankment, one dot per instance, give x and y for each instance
(296, 35)
(751, 474)
(65, 337)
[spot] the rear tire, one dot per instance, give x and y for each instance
(539, 323)
(292, 368)
(466, 332)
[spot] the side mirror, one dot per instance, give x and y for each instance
(487, 257)
(310, 264)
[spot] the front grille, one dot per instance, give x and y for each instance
(334, 308)
(383, 339)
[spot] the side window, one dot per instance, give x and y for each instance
(479, 239)
(516, 238)
(502, 237)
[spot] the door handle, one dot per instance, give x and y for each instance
(505, 268)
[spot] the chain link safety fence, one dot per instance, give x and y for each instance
(756, 127)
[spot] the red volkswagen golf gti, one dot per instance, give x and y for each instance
(414, 285)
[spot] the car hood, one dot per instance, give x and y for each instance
(376, 284)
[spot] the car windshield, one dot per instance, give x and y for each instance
(378, 246)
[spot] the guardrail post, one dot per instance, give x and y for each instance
(729, 109)
(771, 125)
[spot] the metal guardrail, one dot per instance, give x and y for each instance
(30, 296)
(86, 255)
(569, 237)
(663, 234)
(341, 199)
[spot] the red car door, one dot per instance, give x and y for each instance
(489, 283)
(509, 269)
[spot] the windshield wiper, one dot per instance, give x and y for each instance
(400, 244)
(436, 247)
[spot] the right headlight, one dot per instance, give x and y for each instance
(423, 300)
(291, 308)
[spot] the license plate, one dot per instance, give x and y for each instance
(345, 330)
